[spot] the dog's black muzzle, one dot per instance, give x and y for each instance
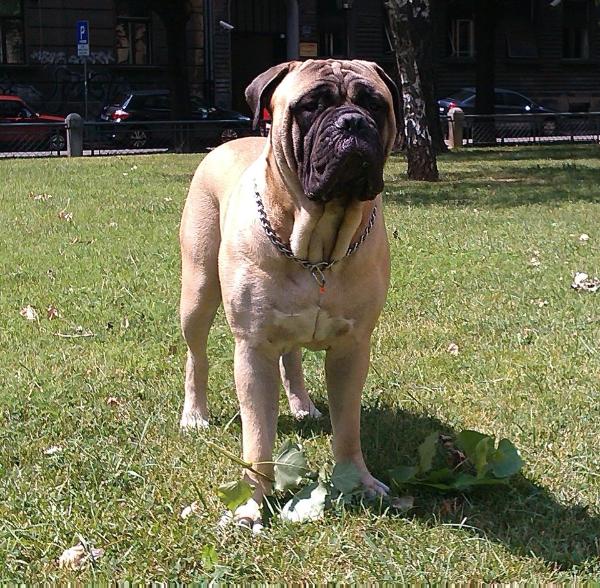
(344, 156)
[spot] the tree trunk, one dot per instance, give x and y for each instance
(422, 38)
(484, 131)
(422, 164)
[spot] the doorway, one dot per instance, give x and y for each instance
(258, 41)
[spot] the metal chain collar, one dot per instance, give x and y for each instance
(316, 269)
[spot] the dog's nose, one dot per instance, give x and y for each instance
(351, 122)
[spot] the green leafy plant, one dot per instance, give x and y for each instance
(315, 491)
(471, 460)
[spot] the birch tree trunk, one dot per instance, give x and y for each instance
(422, 164)
(422, 35)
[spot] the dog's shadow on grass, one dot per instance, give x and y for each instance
(524, 516)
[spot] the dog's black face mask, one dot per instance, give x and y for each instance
(341, 155)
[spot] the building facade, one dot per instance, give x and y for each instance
(547, 49)
(39, 61)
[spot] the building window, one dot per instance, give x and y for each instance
(332, 45)
(333, 31)
(132, 33)
(12, 45)
(462, 38)
(521, 42)
(576, 37)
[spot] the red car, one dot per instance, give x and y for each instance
(23, 129)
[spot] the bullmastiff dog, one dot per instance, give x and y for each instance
(287, 232)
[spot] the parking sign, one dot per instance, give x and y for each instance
(83, 38)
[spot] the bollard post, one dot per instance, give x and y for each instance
(456, 125)
(74, 135)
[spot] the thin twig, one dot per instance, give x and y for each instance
(74, 335)
(237, 460)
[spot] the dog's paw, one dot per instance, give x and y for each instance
(304, 409)
(192, 421)
(372, 487)
(247, 515)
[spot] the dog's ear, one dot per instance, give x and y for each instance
(259, 92)
(393, 88)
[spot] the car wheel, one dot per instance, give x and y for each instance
(57, 142)
(138, 138)
(229, 135)
(549, 127)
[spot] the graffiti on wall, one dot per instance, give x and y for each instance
(59, 87)
(45, 57)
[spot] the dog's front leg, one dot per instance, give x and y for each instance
(346, 368)
(257, 385)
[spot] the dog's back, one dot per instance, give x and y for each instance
(233, 156)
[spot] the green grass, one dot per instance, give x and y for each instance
(461, 273)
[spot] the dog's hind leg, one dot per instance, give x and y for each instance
(200, 299)
(290, 368)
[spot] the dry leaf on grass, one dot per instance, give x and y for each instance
(113, 401)
(52, 312)
(53, 450)
(76, 557)
(79, 332)
(452, 349)
(29, 313)
(188, 511)
(39, 197)
(583, 283)
(66, 216)
(540, 302)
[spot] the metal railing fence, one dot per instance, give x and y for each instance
(527, 129)
(36, 139)
(107, 138)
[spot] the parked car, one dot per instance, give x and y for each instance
(505, 102)
(140, 109)
(36, 131)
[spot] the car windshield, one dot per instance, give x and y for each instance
(14, 108)
(462, 95)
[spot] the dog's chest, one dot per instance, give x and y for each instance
(312, 326)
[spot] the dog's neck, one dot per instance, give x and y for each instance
(315, 231)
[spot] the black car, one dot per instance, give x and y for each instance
(139, 114)
(505, 102)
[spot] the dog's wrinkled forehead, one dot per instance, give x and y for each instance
(342, 76)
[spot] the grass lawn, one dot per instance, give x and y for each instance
(483, 259)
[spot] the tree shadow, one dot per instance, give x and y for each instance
(522, 186)
(481, 178)
(524, 516)
(557, 151)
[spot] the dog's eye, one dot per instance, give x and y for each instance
(375, 105)
(310, 106)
